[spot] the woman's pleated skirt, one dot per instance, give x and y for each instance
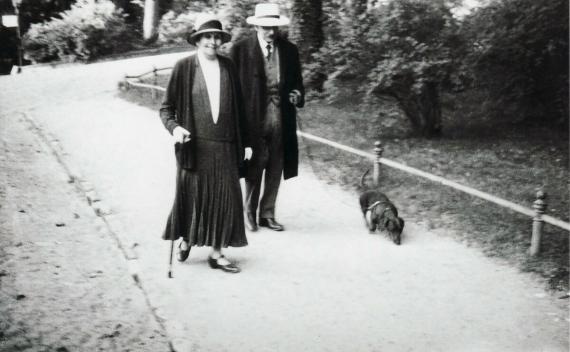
(208, 209)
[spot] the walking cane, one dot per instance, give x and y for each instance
(170, 263)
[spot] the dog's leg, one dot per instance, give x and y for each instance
(368, 221)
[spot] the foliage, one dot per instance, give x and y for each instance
(179, 21)
(307, 31)
(88, 30)
(404, 49)
(401, 43)
(133, 10)
(37, 11)
(520, 58)
(174, 28)
(235, 13)
(306, 26)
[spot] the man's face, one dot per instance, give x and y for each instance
(267, 33)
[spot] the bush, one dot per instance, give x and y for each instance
(177, 23)
(402, 49)
(520, 58)
(174, 28)
(90, 29)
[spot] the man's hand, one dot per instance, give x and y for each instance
(248, 153)
(294, 96)
(181, 135)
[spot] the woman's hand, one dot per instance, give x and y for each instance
(181, 135)
(248, 153)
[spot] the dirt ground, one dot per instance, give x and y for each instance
(64, 283)
(324, 284)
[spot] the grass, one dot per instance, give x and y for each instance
(507, 160)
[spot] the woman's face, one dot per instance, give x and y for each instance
(208, 44)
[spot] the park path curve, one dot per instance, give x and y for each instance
(325, 284)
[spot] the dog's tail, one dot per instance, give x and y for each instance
(362, 178)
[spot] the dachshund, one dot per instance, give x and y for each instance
(380, 213)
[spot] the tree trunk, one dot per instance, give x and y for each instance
(150, 21)
(423, 110)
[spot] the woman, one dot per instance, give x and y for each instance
(202, 110)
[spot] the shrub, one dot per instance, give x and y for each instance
(402, 49)
(177, 23)
(520, 58)
(90, 29)
(174, 28)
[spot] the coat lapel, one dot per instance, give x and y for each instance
(256, 56)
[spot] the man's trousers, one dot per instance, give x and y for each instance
(268, 158)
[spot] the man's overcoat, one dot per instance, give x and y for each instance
(248, 57)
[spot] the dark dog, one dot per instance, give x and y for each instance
(380, 213)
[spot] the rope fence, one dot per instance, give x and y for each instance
(537, 213)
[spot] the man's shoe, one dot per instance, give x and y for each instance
(271, 224)
(250, 223)
(228, 268)
(182, 254)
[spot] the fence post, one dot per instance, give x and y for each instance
(154, 83)
(378, 150)
(539, 207)
(126, 81)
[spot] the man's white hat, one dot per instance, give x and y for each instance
(267, 15)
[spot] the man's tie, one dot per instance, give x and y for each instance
(268, 51)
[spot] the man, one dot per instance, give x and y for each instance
(270, 74)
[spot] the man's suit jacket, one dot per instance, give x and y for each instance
(248, 57)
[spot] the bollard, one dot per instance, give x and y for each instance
(154, 83)
(378, 150)
(539, 207)
(126, 85)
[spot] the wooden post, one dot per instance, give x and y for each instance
(378, 150)
(125, 85)
(539, 207)
(154, 83)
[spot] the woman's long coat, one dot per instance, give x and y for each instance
(248, 57)
(176, 109)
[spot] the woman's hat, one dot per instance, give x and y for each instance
(207, 24)
(267, 15)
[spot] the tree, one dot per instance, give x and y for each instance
(307, 31)
(403, 49)
(150, 20)
(306, 27)
(34, 11)
(520, 58)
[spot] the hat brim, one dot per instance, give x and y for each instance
(193, 36)
(268, 21)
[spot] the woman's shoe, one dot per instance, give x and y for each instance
(182, 254)
(229, 268)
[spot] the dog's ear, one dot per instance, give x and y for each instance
(388, 224)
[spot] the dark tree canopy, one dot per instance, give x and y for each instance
(519, 57)
(306, 31)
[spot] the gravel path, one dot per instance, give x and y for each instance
(64, 284)
(325, 284)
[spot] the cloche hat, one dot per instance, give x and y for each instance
(267, 15)
(207, 23)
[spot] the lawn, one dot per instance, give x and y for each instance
(508, 160)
